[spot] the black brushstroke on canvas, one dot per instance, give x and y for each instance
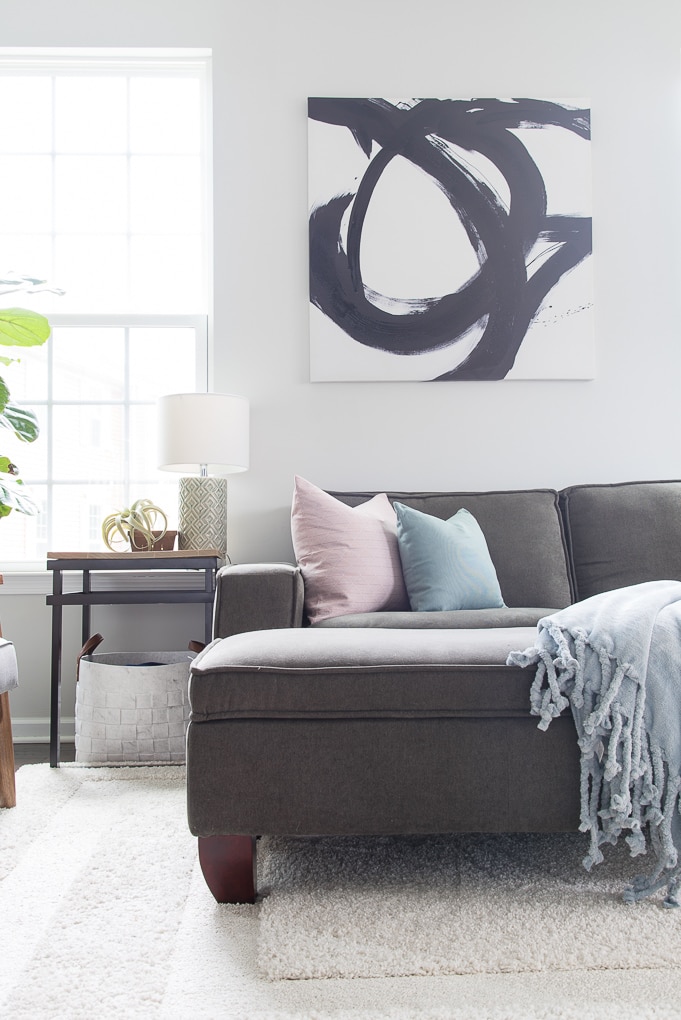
(501, 238)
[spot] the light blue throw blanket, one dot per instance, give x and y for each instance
(615, 659)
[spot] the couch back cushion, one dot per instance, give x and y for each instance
(524, 535)
(622, 534)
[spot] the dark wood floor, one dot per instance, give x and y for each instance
(34, 754)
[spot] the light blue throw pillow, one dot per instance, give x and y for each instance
(446, 564)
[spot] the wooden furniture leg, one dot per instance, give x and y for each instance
(228, 864)
(8, 793)
(8, 790)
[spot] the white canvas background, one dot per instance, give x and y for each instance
(415, 246)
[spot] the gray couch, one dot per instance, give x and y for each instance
(406, 722)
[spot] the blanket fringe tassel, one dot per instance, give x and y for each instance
(623, 779)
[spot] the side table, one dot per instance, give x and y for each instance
(207, 560)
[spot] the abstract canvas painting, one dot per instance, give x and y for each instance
(450, 239)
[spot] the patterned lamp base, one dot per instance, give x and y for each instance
(203, 514)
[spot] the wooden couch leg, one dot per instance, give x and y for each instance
(8, 794)
(228, 864)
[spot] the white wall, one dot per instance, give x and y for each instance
(623, 425)
(268, 57)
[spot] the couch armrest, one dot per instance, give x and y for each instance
(257, 596)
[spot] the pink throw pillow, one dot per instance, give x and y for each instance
(348, 555)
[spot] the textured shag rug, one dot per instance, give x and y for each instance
(104, 914)
(466, 904)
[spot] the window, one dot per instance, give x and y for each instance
(104, 194)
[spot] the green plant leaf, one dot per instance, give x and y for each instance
(23, 423)
(20, 327)
(29, 284)
(12, 498)
(15, 281)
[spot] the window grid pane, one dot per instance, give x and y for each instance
(110, 188)
(96, 452)
(103, 171)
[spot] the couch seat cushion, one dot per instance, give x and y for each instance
(459, 619)
(360, 673)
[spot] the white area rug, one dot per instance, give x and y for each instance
(104, 914)
(467, 904)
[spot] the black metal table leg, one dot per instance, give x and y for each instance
(55, 674)
(208, 561)
(209, 574)
(87, 588)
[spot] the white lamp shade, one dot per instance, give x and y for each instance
(209, 429)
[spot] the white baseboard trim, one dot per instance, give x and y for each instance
(36, 730)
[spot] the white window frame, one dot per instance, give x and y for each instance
(199, 323)
(23, 576)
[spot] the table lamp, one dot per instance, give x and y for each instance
(204, 436)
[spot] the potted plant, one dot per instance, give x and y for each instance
(136, 525)
(19, 327)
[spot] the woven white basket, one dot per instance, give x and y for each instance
(132, 706)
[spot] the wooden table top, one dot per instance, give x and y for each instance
(160, 554)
